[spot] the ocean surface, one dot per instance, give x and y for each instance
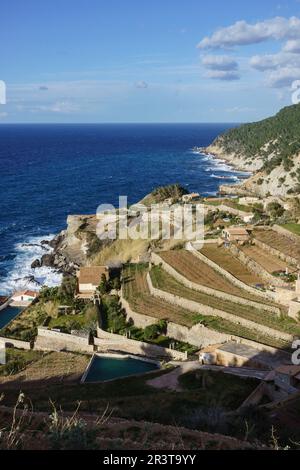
(50, 171)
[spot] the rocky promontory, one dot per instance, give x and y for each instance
(270, 149)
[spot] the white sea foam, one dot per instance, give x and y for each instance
(220, 165)
(224, 177)
(22, 276)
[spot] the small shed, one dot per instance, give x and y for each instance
(89, 278)
(236, 234)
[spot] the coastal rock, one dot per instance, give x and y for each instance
(36, 264)
(48, 260)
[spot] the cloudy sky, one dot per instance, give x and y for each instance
(148, 61)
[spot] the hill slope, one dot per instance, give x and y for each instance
(269, 148)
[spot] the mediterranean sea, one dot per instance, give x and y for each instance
(50, 171)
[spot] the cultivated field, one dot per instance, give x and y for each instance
(197, 271)
(269, 262)
(53, 367)
(164, 281)
(137, 293)
(279, 242)
(227, 261)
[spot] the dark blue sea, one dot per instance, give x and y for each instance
(50, 171)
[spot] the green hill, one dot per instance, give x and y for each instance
(270, 147)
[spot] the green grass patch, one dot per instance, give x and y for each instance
(293, 228)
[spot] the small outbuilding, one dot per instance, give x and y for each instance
(89, 278)
(26, 296)
(190, 197)
(236, 234)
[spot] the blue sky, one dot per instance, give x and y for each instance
(148, 61)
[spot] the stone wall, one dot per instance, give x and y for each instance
(256, 268)
(15, 343)
(230, 210)
(110, 342)
(156, 259)
(274, 252)
(49, 340)
(209, 311)
(197, 336)
(140, 321)
(286, 233)
(233, 279)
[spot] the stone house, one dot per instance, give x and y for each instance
(89, 278)
(236, 234)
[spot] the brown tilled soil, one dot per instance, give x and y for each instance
(269, 262)
(226, 260)
(140, 299)
(200, 273)
(279, 242)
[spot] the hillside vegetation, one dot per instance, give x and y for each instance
(270, 147)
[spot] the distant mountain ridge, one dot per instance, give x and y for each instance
(269, 148)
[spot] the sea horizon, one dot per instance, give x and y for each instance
(50, 172)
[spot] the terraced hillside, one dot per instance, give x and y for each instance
(195, 270)
(167, 283)
(279, 242)
(137, 294)
(224, 258)
(268, 261)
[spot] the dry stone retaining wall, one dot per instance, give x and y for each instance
(230, 277)
(198, 336)
(206, 310)
(50, 340)
(256, 268)
(274, 252)
(286, 233)
(15, 343)
(156, 259)
(111, 342)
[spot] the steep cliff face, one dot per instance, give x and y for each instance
(79, 242)
(270, 149)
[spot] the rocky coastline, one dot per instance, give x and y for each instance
(55, 258)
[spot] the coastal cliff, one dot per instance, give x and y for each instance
(270, 149)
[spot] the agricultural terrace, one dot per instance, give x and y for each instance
(279, 242)
(268, 261)
(229, 203)
(225, 259)
(137, 294)
(197, 271)
(25, 368)
(165, 282)
(293, 228)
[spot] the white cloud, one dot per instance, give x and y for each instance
(281, 69)
(283, 77)
(141, 84)
(222, 75)
(292, 46)
(219, 62)
(243, 33)
(61, 107)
